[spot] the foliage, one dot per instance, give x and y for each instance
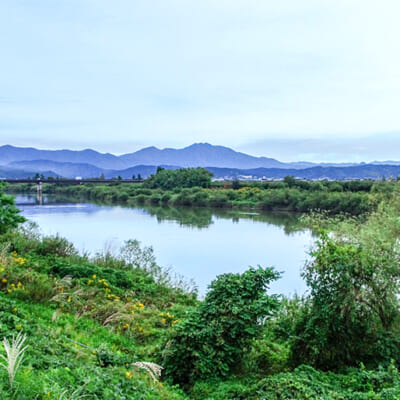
(193, 188)
(64, 362)
(306, 383)
(9, 214)
(168, 179)
(211, 341)
(94, 322)
(56, 245)
(354, 278)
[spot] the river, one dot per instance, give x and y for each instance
(198, 244)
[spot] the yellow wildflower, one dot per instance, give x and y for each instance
(129, 374)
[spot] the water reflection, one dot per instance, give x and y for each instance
(198, 243)
(194, 217)
(203, 217)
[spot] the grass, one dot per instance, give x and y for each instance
(96, 329)
(15, 354)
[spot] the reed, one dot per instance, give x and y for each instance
(14, 355)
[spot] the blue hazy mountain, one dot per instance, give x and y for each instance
(201, 155)
(9, 154)
(196, 155)
(64, 169)
(18, 162)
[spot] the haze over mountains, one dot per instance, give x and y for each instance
(196, 155)
(19, 162)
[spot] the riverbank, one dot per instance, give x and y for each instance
(353, 197)
(91, 323)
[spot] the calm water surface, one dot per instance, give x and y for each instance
(196, 243)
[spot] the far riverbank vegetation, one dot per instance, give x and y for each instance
(193, 187)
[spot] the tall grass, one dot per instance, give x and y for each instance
(152, 368)
(15, 354)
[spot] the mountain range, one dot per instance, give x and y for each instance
(20, 162)
(195, 155)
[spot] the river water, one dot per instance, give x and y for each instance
(198, 244)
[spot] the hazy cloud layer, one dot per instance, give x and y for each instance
(384, 147)
(308, 76)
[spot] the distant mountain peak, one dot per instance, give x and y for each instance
(205, 144)
(149, 148)
(199, 155)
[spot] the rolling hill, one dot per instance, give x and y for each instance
(18, 162)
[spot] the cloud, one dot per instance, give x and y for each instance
(173, 72)
(381, 147)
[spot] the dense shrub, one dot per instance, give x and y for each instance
(9, 214)
(211, 341)
(192, 187)
(354, 315)
(306, 383)
(168, 179)
(56, 245)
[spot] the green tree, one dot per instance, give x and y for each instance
(235, 184)
(353, 313)
(9, 213)
(289, 180)
(168, 179)
(211, 342)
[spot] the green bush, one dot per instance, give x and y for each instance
(9, 214)
(168, 179)
(56, 245)
(354, 314)
(212, 340)
(306, 383)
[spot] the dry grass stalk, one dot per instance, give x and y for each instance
(4, 254)
(15, 354)
(152, 368)
(120, 315)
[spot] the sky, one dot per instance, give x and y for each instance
(314, 80)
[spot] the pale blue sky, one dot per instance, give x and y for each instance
(311, 80)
